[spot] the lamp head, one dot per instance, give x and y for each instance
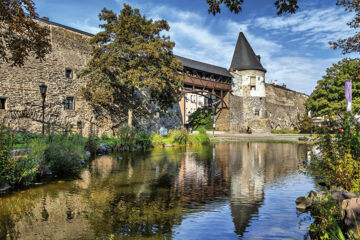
(43, 89)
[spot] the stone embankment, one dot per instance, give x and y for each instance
(348, 202)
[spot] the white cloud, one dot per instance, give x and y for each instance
(212, 40)
(86, 26)
(311, 26)
(298, 73)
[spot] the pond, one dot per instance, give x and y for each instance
(222, 191)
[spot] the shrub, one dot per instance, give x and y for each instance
(63, 154)
(127, 136)
(328, 220)
(157, 140)
(91, 144)
(201, 118)
(339, 144)
(178, 136)
(7, 163)
(14, 171)
(305, 124)
(200, 138)
(143, 139)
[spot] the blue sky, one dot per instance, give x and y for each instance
(294, 48)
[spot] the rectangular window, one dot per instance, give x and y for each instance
(252, 83)
(68, 73)
(257, 112)
(69, 103)
(193, 98)
(2, 103)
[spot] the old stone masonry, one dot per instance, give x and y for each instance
(246, 100)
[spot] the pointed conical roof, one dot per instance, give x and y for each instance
(244, 57)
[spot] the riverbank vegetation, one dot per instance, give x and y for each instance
(131, 139)
(338, 161)
(59, 155)
(63, 155)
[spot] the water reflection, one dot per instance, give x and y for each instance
(221, 191)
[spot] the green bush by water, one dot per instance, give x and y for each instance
(63, 153)
(339, 162)
(7, 163)
(339, 144)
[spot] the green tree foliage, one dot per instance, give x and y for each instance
(283, 6)
(20, 35)
(201, 118)
(350, 44)
(131, 56)
(328, 97)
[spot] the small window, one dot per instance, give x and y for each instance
(252, 83)
(68, 73)
(2, 103)
(69, 103)
(257, 112)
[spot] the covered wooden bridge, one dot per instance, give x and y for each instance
(203, 84)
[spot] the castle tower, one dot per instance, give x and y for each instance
(248, 105)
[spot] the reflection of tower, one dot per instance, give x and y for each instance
(251, 166)
(247, 182)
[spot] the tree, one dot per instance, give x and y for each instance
(131, 59)
(20, 35)
(283, 6)
(328, 97)
(351, 44)
(201, 118)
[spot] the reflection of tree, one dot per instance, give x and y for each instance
(136, 205)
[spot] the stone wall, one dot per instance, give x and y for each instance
(283, 107)
(70, 50)
(243, 114)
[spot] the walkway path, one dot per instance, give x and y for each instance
(258, 136)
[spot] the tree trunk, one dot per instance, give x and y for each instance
(130, 111)
(130, 117)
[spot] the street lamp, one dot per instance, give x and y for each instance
(43, 89)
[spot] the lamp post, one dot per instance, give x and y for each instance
(43, 89)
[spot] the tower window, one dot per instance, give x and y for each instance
(257, 112)
(69, 103)
(68, 73)
(2, 103)
(252, 83)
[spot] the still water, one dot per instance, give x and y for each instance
(223, 191)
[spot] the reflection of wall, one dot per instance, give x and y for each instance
(202, 180)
